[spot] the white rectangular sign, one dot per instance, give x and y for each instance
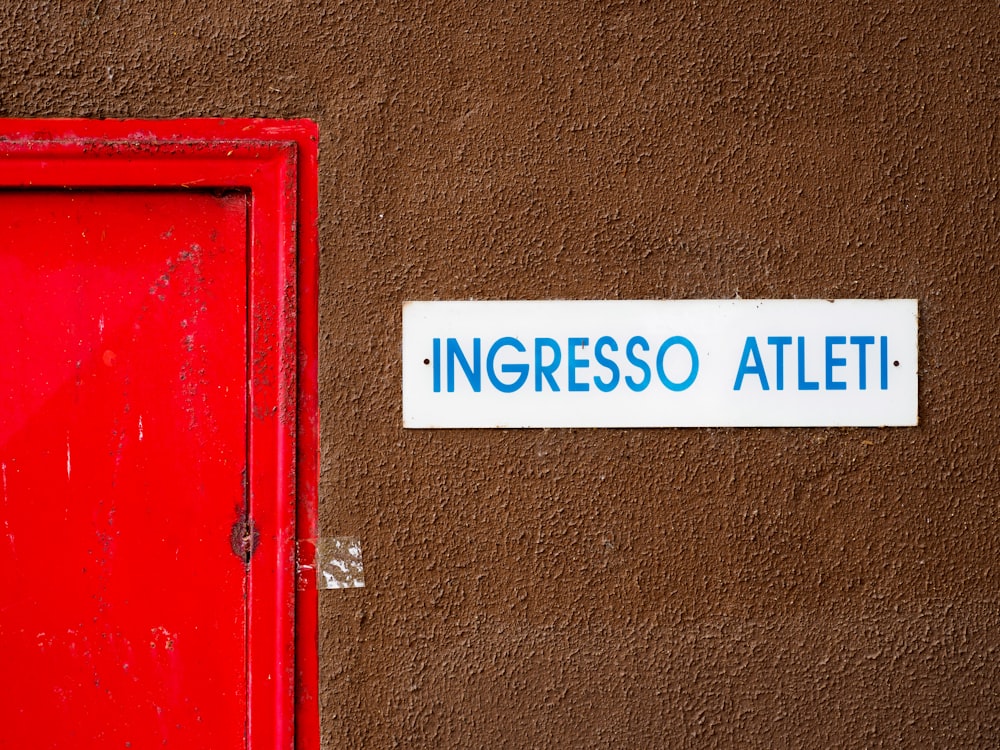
(660, 363)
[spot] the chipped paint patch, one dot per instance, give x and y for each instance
(338, 560)
(3, 489)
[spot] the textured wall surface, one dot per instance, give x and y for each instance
(623, 588)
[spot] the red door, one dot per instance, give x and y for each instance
(158, 429)
(122, 469)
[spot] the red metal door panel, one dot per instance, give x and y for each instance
(123, 444)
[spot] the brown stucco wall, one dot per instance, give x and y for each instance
(622, 588)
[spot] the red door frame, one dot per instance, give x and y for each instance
(275, 161)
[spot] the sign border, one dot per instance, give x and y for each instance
(433, 332)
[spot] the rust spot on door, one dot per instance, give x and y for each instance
(244, 537)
